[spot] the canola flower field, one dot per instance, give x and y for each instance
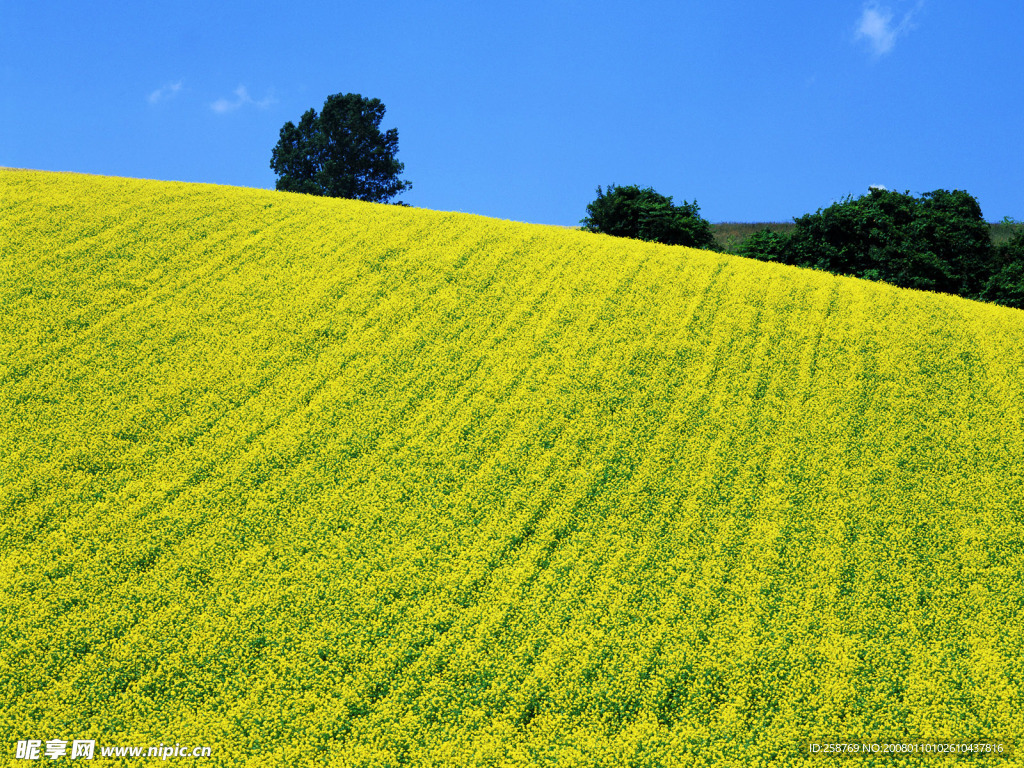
(322, 482)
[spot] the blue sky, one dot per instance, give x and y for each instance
(759, 111)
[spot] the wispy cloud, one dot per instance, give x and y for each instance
(168, 91)
(878, 26)
(242, 98)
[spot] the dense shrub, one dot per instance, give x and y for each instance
(936, 242)
(766, 245)
(952, 234)
(1006, 286)
(643, 214)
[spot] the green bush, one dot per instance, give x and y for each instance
(765, 245)
(1006, 286)
(643, 214)
(953, 235)
(938, 242)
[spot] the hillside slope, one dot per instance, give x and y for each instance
(318, 481)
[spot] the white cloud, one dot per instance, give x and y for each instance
(168, 91)
(877, 26)
(242, 98)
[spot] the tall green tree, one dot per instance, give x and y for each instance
(340, 152)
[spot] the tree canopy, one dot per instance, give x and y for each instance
(341, 152)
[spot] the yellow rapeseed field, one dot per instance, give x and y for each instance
(321, 482)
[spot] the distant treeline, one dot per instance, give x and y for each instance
(936, 242)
